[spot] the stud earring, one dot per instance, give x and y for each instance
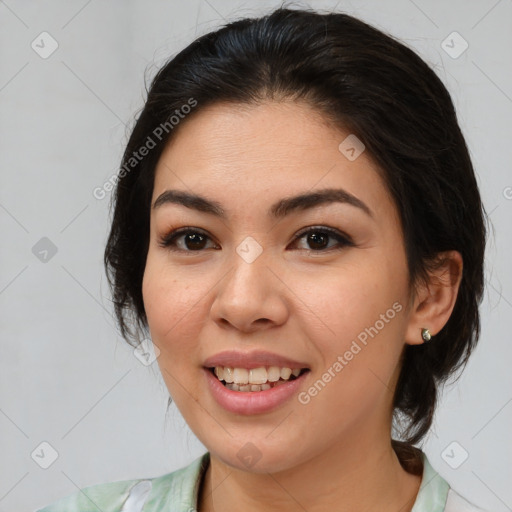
(425, 334)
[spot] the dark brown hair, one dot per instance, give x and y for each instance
(366, 82)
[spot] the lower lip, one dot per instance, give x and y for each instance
(252, 402)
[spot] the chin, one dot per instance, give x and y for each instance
(256, 457)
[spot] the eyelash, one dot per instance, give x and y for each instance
(168, 241)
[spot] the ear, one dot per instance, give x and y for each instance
(435, 300)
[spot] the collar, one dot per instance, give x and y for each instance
(433, 491)
(180, 494)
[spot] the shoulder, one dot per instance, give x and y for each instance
(436, 494)
(132, 495)
(456, 503)
(107, 497)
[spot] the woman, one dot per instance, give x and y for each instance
(298, 226)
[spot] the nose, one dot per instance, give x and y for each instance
(251, 296)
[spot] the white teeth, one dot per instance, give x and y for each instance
(241, 376)
(228, 374)
(258, 375)
(273, 373)
(285, 373)
(248, 387)
(254, 379)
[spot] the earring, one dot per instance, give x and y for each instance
(425, 334)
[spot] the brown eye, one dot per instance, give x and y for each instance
(192, 240)
(318, 238)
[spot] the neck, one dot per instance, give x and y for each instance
(355, 477)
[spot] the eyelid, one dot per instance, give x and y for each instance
(342, 238)
(166, 239)
(335, 233)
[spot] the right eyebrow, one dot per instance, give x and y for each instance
(278, 210)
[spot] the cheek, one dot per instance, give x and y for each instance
(173, 307)
(358, 328)
(351, 299)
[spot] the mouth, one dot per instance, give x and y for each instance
(255, 379)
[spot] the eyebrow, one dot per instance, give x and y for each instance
(278, 210)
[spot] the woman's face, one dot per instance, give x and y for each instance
(332, 301)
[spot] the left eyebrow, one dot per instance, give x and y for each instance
(278, 210)
(313, 199)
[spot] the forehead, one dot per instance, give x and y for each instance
(252, 134)
(237, 152)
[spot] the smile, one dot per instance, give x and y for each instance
(255, 390)
(255, 379)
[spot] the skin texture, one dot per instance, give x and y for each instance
(295, 299)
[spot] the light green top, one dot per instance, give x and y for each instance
(178, 492)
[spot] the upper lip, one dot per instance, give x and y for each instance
(255, 359)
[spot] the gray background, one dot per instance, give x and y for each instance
(66, 377)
